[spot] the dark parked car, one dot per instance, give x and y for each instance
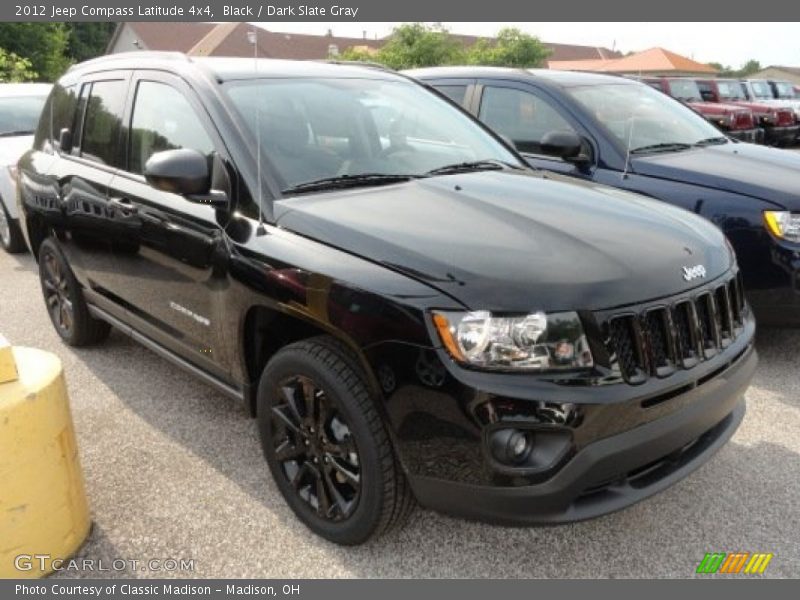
(407, 309)
(619, 132)
(780, 128)
(736, 121)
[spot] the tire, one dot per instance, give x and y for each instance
(349, 513)
(64, 299)
(10, 234)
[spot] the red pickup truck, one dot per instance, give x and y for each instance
(779, 125)
(736, 121)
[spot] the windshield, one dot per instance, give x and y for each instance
(313, 129)
(640, 118)
(761, 89)
(684, 89)
(730, 90)
(19, 115)
(784, 89)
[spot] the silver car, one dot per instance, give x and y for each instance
(20, 107)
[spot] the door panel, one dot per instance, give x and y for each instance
(169, 253)
(82, 177)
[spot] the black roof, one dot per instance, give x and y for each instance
(224, 69)
(559, 78)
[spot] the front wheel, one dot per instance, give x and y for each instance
(326, 445)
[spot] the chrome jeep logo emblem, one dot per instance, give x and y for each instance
(696, 272)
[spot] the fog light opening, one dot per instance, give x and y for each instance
(511, 446)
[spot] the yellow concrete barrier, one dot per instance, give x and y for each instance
(43, 508)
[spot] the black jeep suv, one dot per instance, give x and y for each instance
(407, 309)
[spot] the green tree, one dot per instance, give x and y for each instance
(511, 48)
(747, 69)
(88, 40)
(413, 45)
(14, 69)
(45, 45)
(724, 71)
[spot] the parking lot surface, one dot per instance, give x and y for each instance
(174, 470)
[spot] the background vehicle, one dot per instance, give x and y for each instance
(778, 122)
(20, 107)
(408, 310)
(736, 121)
(619, 132)
(761, 90)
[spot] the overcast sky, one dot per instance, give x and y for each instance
(728, 43)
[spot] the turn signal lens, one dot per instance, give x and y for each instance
(783, 224)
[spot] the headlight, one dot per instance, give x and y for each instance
(783, 224)
(533, 342)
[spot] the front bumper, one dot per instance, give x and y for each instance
(781, 136)
(753, 136)
(613, 472)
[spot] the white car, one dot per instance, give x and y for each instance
(20, 107)
(759, 90)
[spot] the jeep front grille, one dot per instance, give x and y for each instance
(657, 340)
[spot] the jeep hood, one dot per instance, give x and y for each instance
(516, 242)
(758, 171)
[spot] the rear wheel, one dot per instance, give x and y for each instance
(10, 234)
(64, 299)
(326, 445)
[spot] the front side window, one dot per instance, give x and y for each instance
(456, 93)
(684, 89)
(311, 129)
(102, 121)
(163, 119)
(784, 89)
(761, 90)
(641, 119)
(520, 116)
(730, 90)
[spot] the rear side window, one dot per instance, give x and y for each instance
(520, 116)
(456, 93)
(163, 119)
(102, 121)
(58, 114)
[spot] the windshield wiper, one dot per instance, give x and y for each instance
(13, 133)
(347, 181)
(712, 141)
(664, 147)
(489, 164)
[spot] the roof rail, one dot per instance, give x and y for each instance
(355, 63)
(127, 55)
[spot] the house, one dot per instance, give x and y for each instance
(655, 61)
(791, 74)
(231, 39)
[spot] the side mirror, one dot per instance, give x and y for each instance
(65, 140)
(185, 172)
(564, 144)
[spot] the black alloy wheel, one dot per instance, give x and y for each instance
(315, 448)
(56, 294)
(326, 444)
(64, 299)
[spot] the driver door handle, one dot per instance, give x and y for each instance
(124, 205)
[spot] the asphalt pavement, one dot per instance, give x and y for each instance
(174, 471)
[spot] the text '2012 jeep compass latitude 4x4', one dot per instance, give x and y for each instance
(408, 310)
